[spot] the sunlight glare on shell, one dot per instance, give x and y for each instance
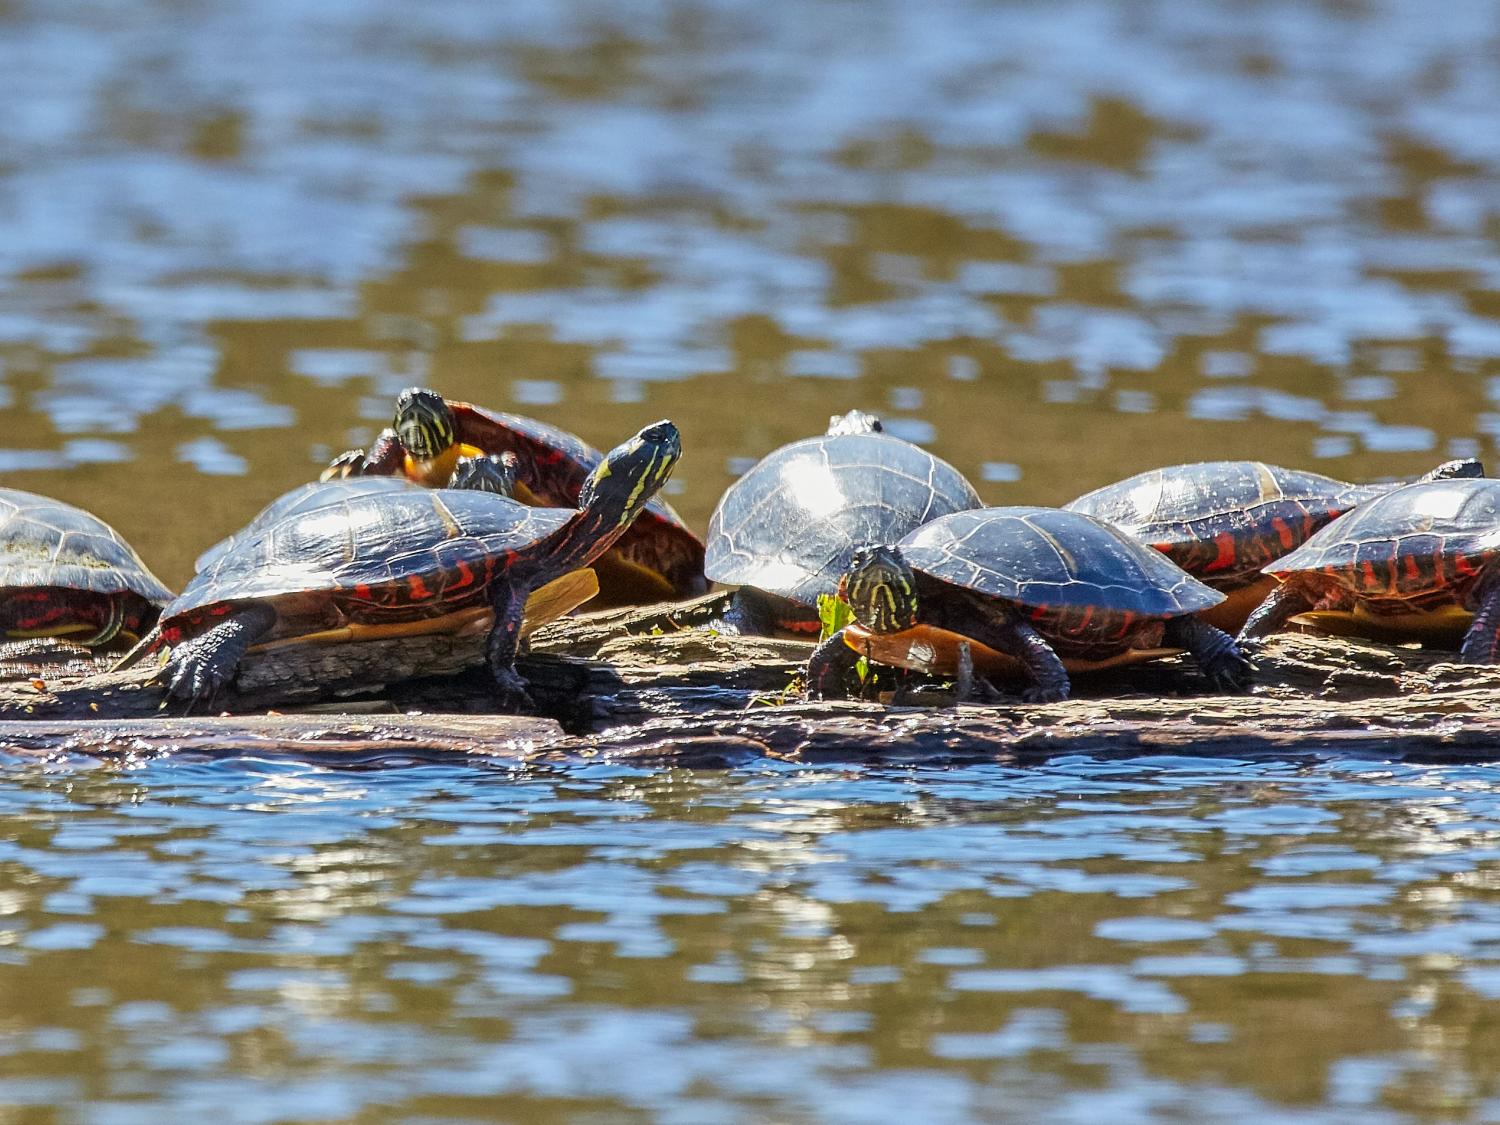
(812, 486)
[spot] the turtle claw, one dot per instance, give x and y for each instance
(346, 464)
(193, 674)
(511, 692)
(1038, 693)
(1230, 673)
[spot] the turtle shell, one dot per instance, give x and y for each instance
(1412, 541)
(1051, 558)
(304, 498)
(401, 553)
(46, 543)
(560, 463)
(1222, 521)
(790, 524)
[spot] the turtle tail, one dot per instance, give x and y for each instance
(143, 648)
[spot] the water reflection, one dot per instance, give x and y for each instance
(1159, 937)
(1059, 243)
(1261, 231)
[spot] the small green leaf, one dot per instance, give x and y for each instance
(862, 666)
(833, 615)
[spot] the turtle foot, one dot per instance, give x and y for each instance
(194, 672)
(1038, 693)
(1229, 672)
(511, 693)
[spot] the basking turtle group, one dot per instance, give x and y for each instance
(468, 522)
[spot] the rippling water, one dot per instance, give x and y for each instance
(1056, 242)
(234, 231)
(1165, 939)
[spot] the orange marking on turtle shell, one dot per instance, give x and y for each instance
(419, 589)
(1368, 570)
(1284, 533)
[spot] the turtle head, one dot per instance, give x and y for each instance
(631, 474)
(424, 423)
(881, 590)
(855, 422)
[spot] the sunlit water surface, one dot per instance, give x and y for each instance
(1055, 242)
(1164, 939)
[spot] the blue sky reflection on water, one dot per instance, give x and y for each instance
(1143, 939)
(1055, 243)
(233, 233)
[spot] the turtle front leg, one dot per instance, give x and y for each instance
(200, 667)
(1481, 644)
(1014, 637)
(1218, 657)
(383, 459)
(1049, 679)
(509, 602)
(1295, 595)
(828, 668)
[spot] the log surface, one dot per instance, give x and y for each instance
(654, 686)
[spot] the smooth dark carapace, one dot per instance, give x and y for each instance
(1223, 521)
(1039, 586)
(431, 438)
(365, 560)
(65, 573)
(784, 532)
(1416, 563)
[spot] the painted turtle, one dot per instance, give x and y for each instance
(1417, 562)
(784, 532)
(373, 562)
(1222, 521)
(65, 573)
(658, 558)
(496, 476)
(1032, 584)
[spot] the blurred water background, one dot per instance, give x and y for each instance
(1055, 242)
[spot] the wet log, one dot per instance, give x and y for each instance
(641, 686)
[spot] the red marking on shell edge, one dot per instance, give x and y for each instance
(362, 591)
(1464, 567)
(419, 589)
(465, 574)
(1284, 533)
(1225, 558)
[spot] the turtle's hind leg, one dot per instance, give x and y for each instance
(200, 667)
(1481, 644)
(1218, 657)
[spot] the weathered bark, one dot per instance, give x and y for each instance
(636, 685)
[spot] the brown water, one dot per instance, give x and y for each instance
(1056, 242)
